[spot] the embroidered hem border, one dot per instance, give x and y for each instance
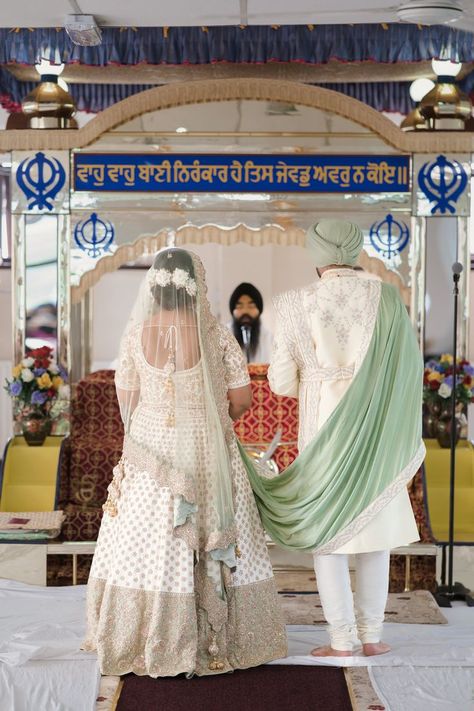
(375, 507)
(162, 634)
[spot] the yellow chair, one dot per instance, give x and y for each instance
(29, 479)
(437, 468)
(437, 475)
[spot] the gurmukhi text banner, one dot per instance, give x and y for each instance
(241, 173)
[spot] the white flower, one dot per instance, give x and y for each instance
(64, 392)
(162, 277)
(444, 390)
(191, 287)
(27, 375)
(27, 362)
(180, 277)
(53, 368)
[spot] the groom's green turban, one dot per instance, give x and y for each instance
(334, 242)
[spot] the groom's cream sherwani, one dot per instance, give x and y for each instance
(342, 308)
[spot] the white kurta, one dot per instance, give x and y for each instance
(341, 309)
(264, 348)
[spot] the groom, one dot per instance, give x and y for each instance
(345, 347)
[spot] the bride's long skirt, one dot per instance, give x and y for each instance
(150, 597)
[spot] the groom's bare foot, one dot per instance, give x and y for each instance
(373, 648)
(329, 652)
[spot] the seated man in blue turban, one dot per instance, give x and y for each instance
(246, 306)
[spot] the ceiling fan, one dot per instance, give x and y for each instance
(432, 12)
(456, 13)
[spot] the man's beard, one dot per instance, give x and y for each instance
(253, 324)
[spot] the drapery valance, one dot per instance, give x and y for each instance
(313, 44)
(392, 97)
(179, 46)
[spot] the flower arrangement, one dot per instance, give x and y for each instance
(37, 383)
(180, 278)
(438, 381)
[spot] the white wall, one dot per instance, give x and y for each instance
(112, 301)
(440, 256)
(471, 317)
(5, 314)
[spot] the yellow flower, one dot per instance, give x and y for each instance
(435, 376)
(44, 381)
(57, 382)
(446, 358)
(16, 371)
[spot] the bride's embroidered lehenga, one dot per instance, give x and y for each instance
(181, 580)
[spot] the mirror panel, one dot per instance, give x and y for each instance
(41, 281)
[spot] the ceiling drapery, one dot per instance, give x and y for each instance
(313, 44)
(391, 97)
(252, 45)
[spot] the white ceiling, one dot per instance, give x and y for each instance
(181, 13)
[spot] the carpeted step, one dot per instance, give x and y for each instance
(265, 688)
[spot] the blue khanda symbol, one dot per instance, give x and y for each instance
(40, 178)
(94, 236)
(389, 236)
(443, 182)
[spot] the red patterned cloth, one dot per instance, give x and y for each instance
(94, 448)
(95, 412)
(417, 497)
(91, 467)
(82, 523)
(269, 414)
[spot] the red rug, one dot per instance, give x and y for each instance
(266, 688)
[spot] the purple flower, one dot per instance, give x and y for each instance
(449, 380)
(15, 388)
(469, 370)
(39, 371)
(63, 373)
(38, 398)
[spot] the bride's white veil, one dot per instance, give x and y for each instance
(177, 334)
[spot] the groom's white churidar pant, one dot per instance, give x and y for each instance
(359, 617)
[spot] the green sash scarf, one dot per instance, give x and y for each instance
(365, 453)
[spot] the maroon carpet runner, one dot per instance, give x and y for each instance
(266, 688)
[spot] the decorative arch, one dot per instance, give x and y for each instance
(194, 92)
(241, 233)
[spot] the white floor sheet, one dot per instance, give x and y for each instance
(450, 645)
(431, 667)
(424, 688)
(41, 665)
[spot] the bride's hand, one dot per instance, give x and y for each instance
(240, 400)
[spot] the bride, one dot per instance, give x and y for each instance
(181, 580)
